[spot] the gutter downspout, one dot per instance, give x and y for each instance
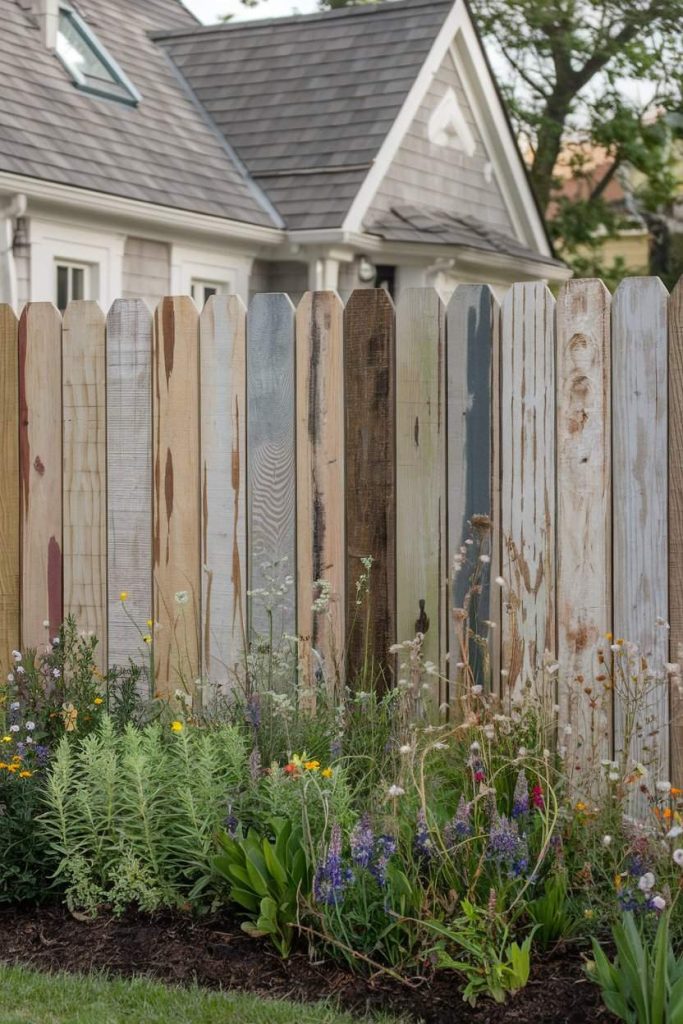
(9, 212)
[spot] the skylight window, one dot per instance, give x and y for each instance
(91, 67)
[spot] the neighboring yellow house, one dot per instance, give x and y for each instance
(634, 241)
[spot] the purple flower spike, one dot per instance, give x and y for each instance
(362, 843)
(520, 800)
(330, 880)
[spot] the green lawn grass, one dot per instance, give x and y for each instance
(27, 997)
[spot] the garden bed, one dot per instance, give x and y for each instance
(179, 950)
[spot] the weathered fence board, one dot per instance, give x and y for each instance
(320, 479)
(129, 477)
(84, 471)
(10, 565)
(676, 527)
(472, 351)
(528, 478)
(370, 460)
(222, 333)
(420, 472)
(584, 526)
(40, 471)
(177, 587)
(639, 452)
(271, 462)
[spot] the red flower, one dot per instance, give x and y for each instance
(537, 798)
(291, 769)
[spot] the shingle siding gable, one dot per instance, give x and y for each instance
(423, 173)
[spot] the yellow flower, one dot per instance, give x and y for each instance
(6, 739)
(326, 773)
(11, 767)
(123, 596)
(147, 639)
(588, 914)
(177, 726)
(149, 623)
(312, 766)
(98, 700)
(25, 775)
(581, 806)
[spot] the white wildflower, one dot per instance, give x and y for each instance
(394, 791)
(606, 840)
(678, 856)
(646, 882)
(485, 559)
(664, 787)
(405, 749)
(14, 728)
(658, 903)
(30, 726)
(16, 655)
(500, 581)
(182, 597)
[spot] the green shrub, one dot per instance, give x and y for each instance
(132, 817)
(644, 983)
(267, 879)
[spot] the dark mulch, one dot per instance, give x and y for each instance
(216, 954)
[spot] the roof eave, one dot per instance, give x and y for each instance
(134, 210)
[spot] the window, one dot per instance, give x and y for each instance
(202, 291)
(88, 63)
(73, 282)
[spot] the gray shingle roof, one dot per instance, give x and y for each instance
(429, 225)
(164, 151)
(309, 93)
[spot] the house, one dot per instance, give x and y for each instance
(142, 153)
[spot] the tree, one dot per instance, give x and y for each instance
(587, 74)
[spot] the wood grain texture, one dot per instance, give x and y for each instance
(129, 476)
(471, 322)
(639, 452)
(223, 396)
(10, 565)
(422, 575)
(84, 471)
(271, 459)
(584, 518)
(527, 345)
(40, 471)
(176, 545)
(320, 476)
(676, 527)
(370, 470)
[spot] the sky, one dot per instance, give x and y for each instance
(209, 11)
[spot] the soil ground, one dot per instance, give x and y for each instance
(181, 950)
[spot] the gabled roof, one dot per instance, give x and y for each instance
(307, 101)
(164, 151)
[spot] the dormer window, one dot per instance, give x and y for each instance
(91, 67)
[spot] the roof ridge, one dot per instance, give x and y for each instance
(372, 8)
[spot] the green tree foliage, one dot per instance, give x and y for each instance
(591, 73)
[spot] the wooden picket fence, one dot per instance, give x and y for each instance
(178, 457)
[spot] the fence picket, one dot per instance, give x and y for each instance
(10, 566)
(639, 374)
(320, 476)
(676, 527)
(40, 471)
(222, 333)
(271, 458)
(84, 471)
(471, 447)
(177, 587)
(584, 527)
(370, 470)
(528, 478)
(420, 472)
(129, 476)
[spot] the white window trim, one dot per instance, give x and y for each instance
(53, 242)
(215, 267)
(447, 125)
